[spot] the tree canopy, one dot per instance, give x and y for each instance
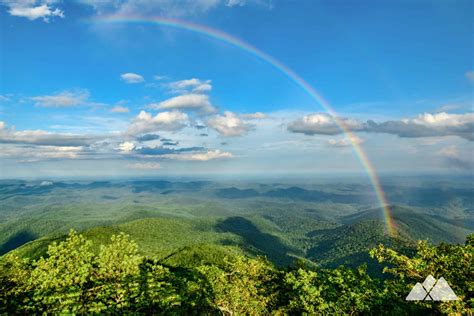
(74, 278)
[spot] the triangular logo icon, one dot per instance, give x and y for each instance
(442, 291)
(432, 290)
(417, 293)
(429, 282)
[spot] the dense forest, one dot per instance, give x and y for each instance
(208, 247)
(76, 276)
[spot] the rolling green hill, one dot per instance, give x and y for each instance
(157, 237)
(327, 224)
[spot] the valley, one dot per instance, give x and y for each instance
(322, 222)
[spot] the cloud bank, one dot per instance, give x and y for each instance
(424, 125)
(44, 138)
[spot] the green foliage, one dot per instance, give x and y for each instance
(115, 276)
(331, 291)
(452, 262)
(242, 286)
(13, 290)
(73, 278)
(59, 280)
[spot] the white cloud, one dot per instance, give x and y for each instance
(428, 125)
(229, 125)
(131, 77)
(119, 109)
(203, 88)
(254, 116)
(164, 121)
(321, 123)
(205, 156)
(64, 99)
(30, 154)
(28, 146)
(145, 165)
(424, 125)
(40, 137)
(127, 147)
(441, 119)
(198, 102)
(33, 9)
(193, 85)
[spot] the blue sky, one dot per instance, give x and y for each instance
(78, 98)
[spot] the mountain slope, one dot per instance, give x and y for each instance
(417, 225)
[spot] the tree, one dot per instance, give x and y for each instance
(332, 291)
(243, 285)
(452, 262)
(73, 278)
(114, 282)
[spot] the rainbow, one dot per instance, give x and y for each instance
(285, 70)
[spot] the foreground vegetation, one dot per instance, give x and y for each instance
(77, 277)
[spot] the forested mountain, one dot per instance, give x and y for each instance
(184, 224)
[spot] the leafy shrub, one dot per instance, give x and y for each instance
(242, 286)
(73, 278)
(452, 262)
